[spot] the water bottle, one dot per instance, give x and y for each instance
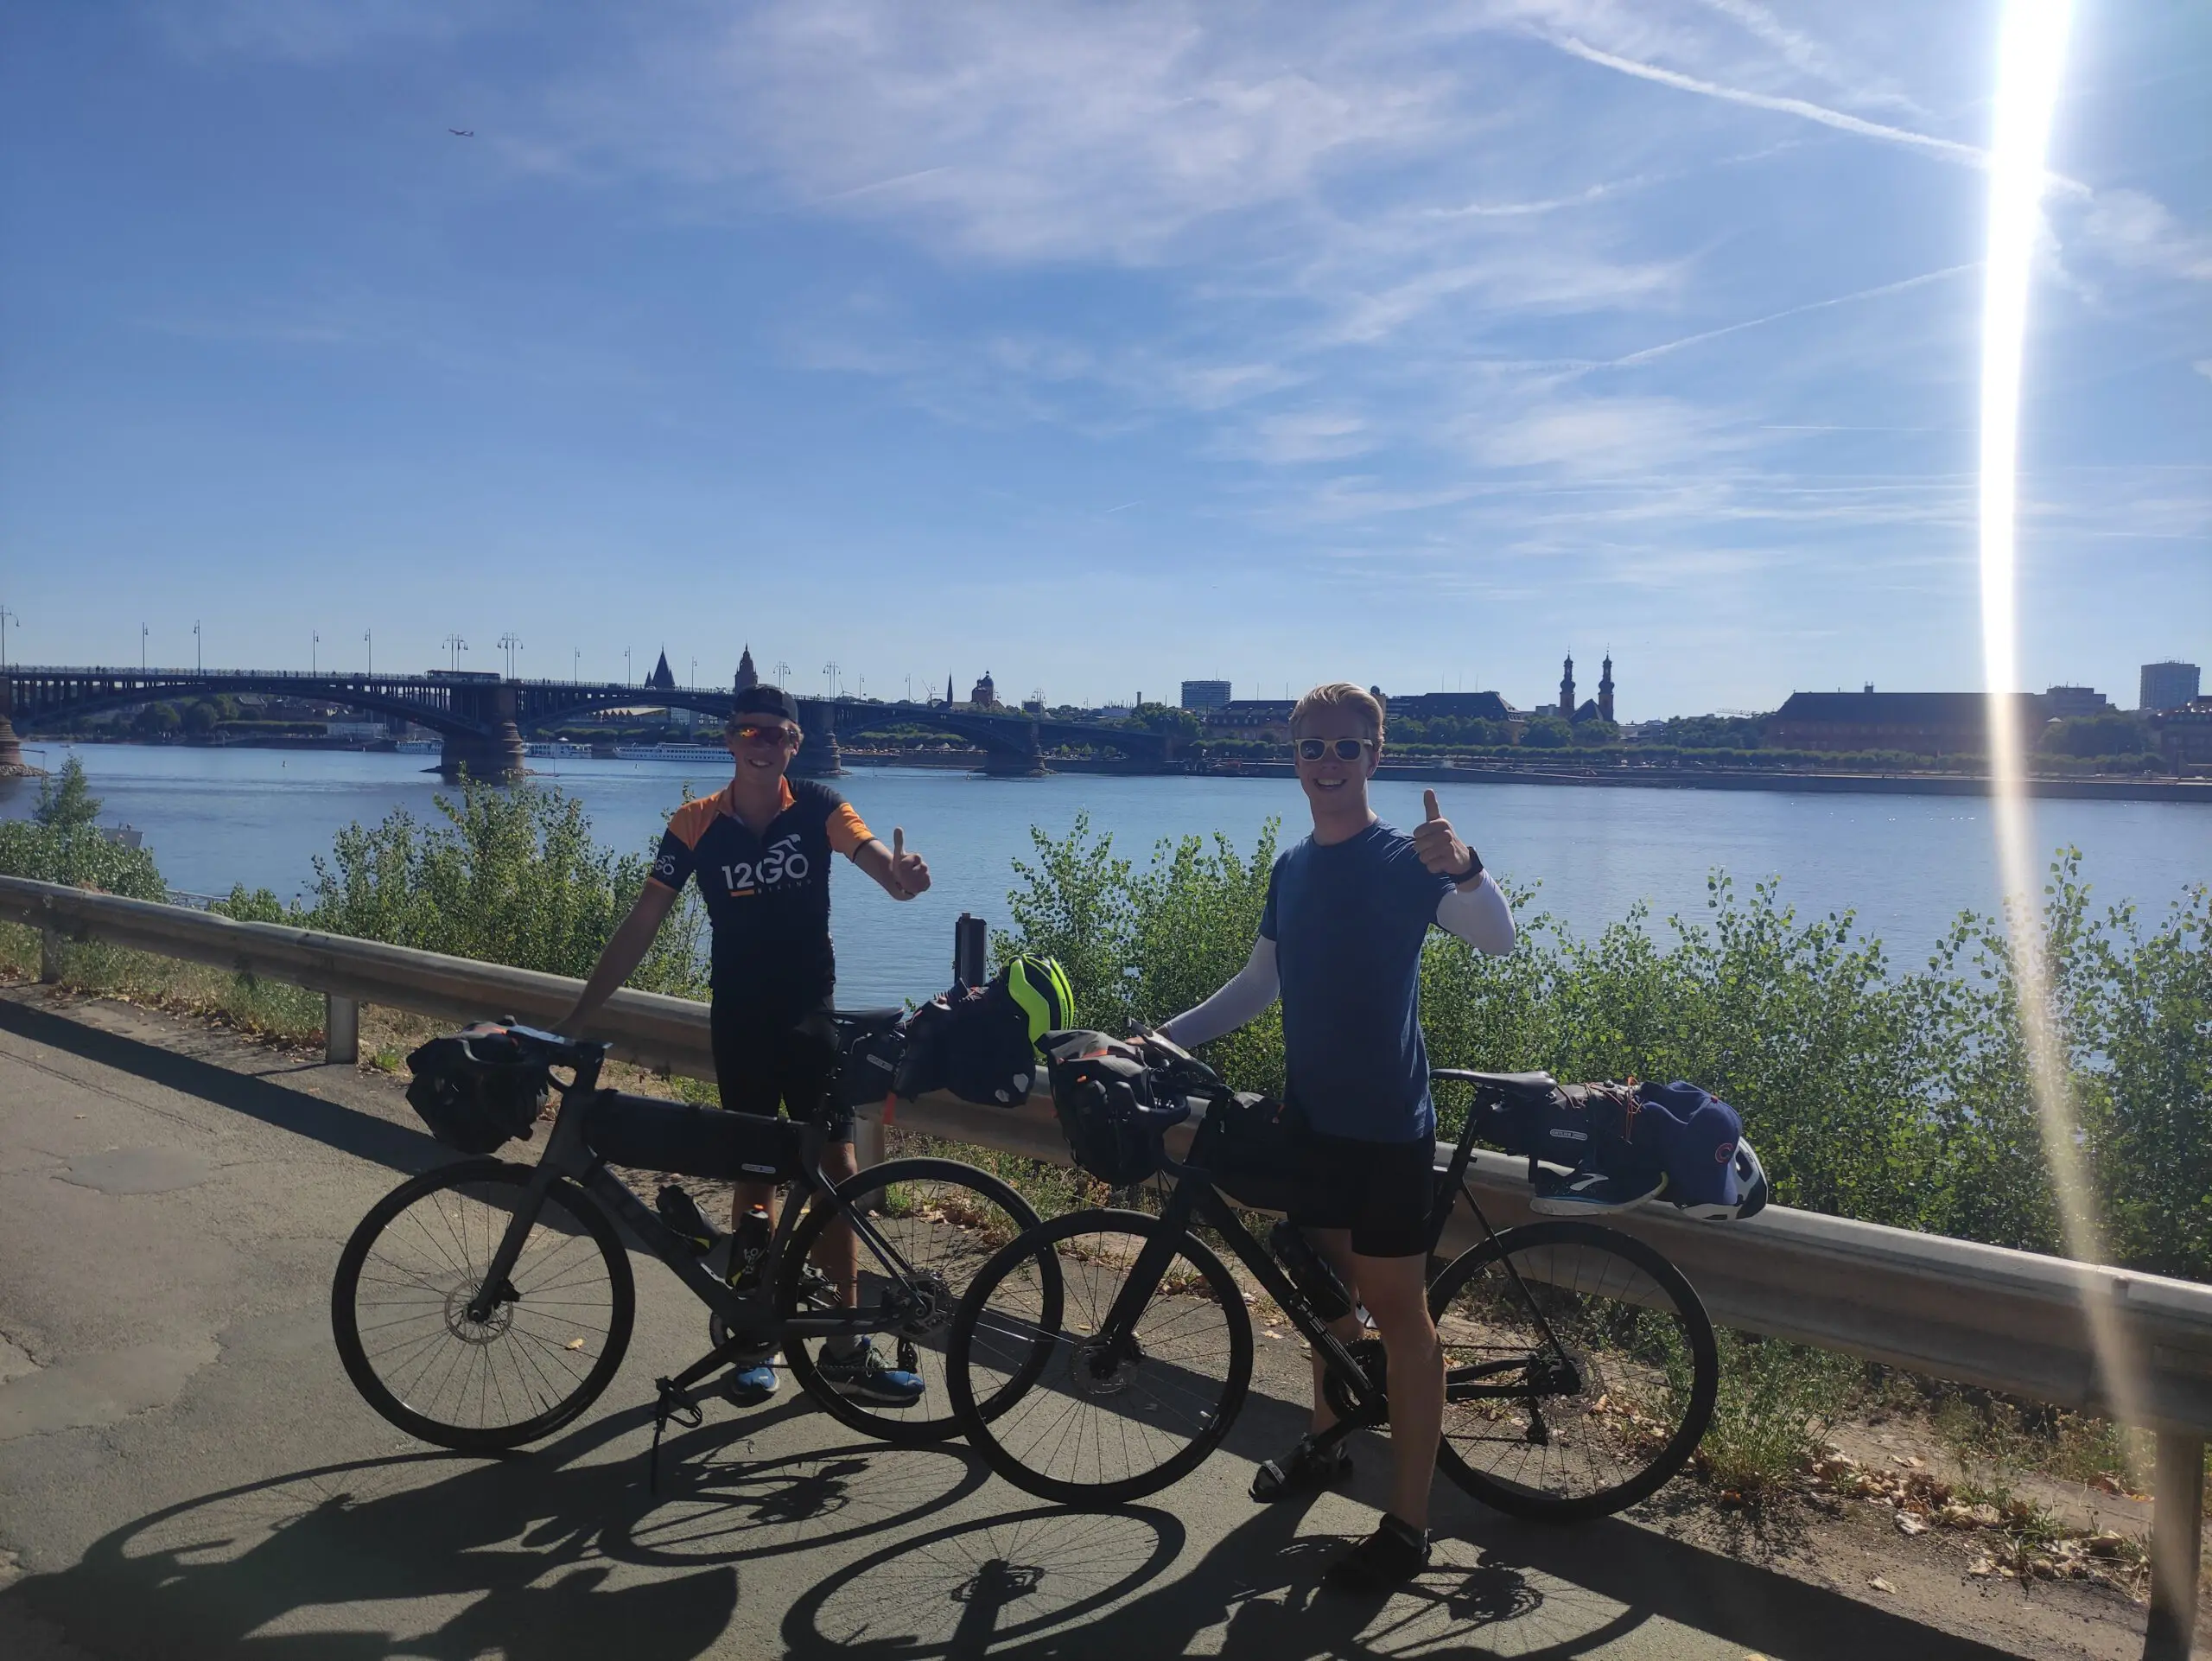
(748, 1248)
(1309, 1272)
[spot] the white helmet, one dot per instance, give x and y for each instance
(1751, 1191)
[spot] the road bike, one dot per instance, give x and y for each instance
(485, 1304)
(1104, 1354)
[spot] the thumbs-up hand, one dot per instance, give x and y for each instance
(1438, 844)
(910, 875)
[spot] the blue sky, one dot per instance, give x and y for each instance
(1098, 346)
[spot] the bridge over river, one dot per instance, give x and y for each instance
(482, 717)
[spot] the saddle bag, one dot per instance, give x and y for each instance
(868, 1063)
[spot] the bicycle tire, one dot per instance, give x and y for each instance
(1009, 1440)
(538, 1378)
(1653, 1336)
(921, 1343)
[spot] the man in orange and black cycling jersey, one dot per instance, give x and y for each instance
(760, 851)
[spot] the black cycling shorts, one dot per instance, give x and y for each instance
(1382, 1191)
(765, 1057)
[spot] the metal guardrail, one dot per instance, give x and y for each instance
(1979, 1315)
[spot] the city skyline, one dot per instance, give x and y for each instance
(1126, 348)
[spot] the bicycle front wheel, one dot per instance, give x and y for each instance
(556, 1332)
(1103, 1422)
(1579, 1370)
(942, 1220)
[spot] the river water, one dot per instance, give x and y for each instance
(1907, 863)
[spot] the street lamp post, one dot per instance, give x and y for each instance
(830, 674)
(783, 673)
(456, 645)
(369, 640)
(575, 664)
(510, 643)
(315, 643)
(626, 667)
(5, 615)
(142, 648)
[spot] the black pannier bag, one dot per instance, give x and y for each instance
(1252, 1150)
(648, 1134)
(1102, 1092)
(477, 1088)
(972, 1040)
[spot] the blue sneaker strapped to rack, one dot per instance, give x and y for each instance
(1577, 1193)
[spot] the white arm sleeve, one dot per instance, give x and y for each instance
(1249, 990)
(1479, 916)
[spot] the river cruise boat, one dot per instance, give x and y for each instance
(672, 753)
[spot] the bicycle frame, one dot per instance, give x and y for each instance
(747, 1314)
(1195, 1197)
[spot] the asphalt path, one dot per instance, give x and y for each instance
(184, 1470)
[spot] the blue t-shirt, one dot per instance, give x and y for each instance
(1348, 920)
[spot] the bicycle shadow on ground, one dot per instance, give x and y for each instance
(1051, 1584)
(554, 1553)
(381, 1141)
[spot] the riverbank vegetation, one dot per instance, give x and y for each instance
(1896, 1094)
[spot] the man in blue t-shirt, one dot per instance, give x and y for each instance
(1340, 942)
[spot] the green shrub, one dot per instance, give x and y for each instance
(61, 842)
(509, 875)
(1899, 1097)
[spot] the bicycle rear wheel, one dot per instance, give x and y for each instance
(1540, 1440)
(944, 1219)
(398, 1307)
(1096, 1427)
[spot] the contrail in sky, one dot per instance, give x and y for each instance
(1951, 149)
(1661, 351)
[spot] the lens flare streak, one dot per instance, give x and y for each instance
(2032, 55)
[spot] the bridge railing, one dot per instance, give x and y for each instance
(1979, 1315)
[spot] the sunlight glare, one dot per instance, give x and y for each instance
(2030, 55)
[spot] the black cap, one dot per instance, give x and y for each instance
(766, 700)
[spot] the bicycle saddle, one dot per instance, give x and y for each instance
(1513, 1084)
(868, 1021)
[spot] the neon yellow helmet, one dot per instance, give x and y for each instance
(1040, 989)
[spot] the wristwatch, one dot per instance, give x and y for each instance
(1474, 869)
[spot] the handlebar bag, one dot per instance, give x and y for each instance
(649, 1134)
(1103, 1094)
(478, 1089)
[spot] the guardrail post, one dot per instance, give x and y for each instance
(2177, 1546)
(49, 954)
(341, 1029)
